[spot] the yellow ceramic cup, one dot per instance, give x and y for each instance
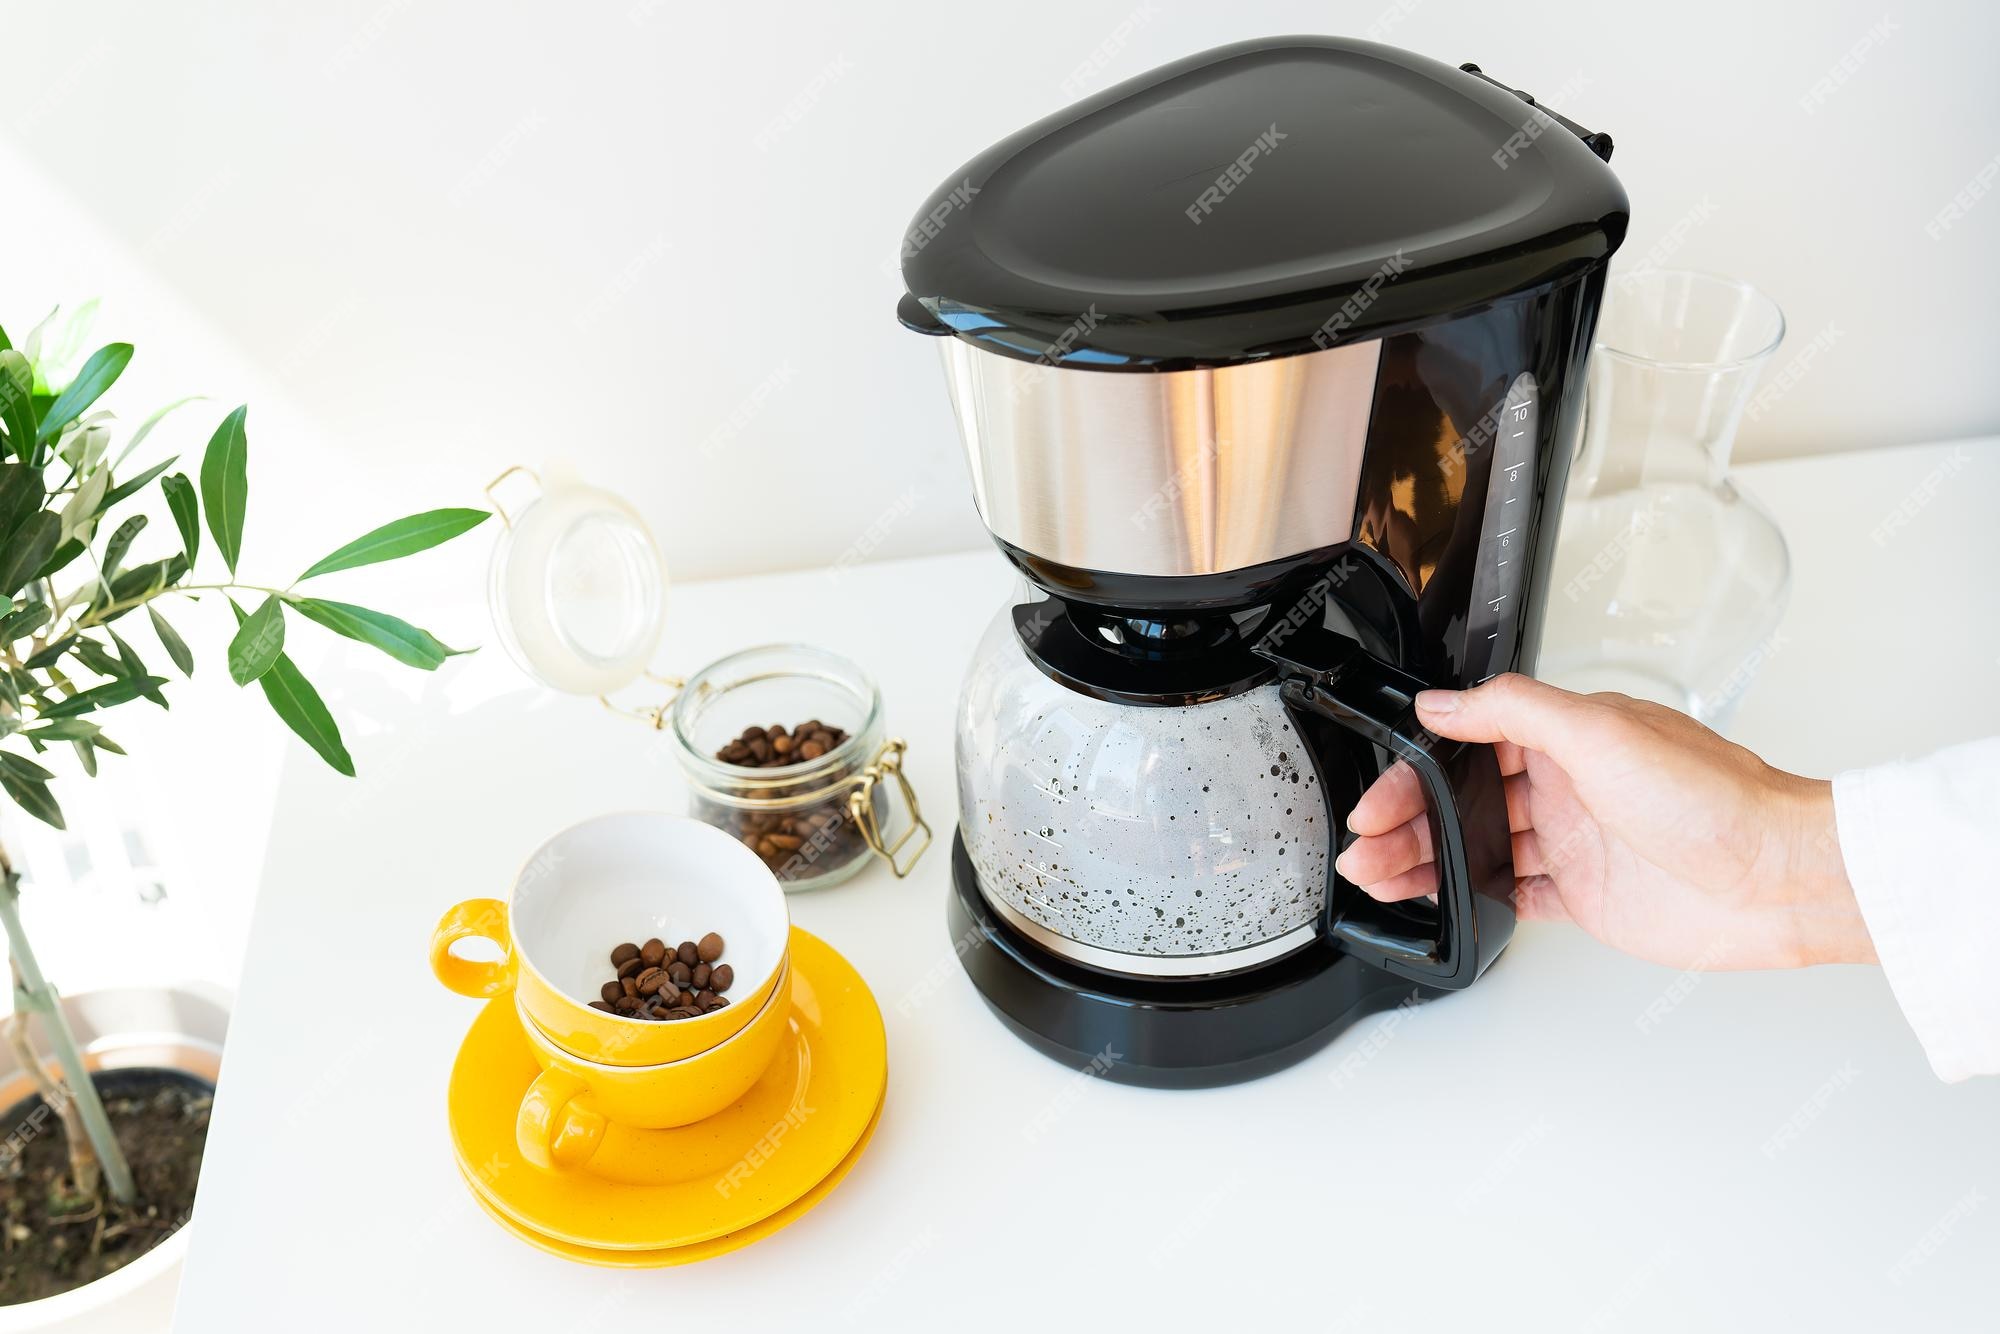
(620, 878)
(566, 1111)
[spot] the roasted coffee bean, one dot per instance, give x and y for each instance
(680, 983)
(774, 747)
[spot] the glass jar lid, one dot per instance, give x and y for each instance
(577, 587)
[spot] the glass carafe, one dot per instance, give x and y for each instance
(1669, 581)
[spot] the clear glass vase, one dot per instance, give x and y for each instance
(1670, 580)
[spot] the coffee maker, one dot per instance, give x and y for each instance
(1269, 369)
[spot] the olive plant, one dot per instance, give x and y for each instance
(68, 580)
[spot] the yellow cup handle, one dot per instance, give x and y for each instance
(553, 1130)
(479, 980)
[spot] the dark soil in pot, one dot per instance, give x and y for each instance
(49, 1242)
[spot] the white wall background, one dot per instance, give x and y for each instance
(427, 239)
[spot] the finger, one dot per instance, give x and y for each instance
(1411, 884)
(1528, 855)
(1536, 900)
(1391, 800)
(1512, 758)
(1380, 856)
(1519, 709)
(1520, 806)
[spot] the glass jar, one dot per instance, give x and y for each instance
(578, 594)
(817, 822)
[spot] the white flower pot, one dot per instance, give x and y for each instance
(181, 1028)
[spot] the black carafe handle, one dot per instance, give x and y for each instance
(1331, 685)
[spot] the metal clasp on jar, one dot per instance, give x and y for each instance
(888, 763)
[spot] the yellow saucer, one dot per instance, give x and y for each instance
(689, 1254)
(653, 1190)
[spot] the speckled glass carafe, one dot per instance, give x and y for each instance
(1163, 841)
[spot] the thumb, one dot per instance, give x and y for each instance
(1512, 708)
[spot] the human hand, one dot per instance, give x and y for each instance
(1637, 823)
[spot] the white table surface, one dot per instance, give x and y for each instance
(1527, 1154)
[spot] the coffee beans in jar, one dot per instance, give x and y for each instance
(660, 982)
(799, 840)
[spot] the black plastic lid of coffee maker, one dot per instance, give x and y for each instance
(1259, 200)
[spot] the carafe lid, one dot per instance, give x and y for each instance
(1267, 198)
(576, 586)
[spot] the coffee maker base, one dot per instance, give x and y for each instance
(1167, 1032)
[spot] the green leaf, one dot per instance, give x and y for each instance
(105, 365)
(130, 664)
(48, 655)
(17, 404)
(224, 485)
(120, 543)
(103, 742)
(97, 657)
(27, 550)
(33, 798)
(81, 511)
(146, 426)
(21, 494)
(124, 489)
(187, 512)
(259, 640)
(63, 729)
(397, 638)
(21, 622)
(171, 641)
(135, 583)
(99, 697)
(86, 757)
(404, 537)
(65, 553)
(293, 699)
(23, 768)
(156, 573)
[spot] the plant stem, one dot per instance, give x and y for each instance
(35, 993)
(84, 1172)
(99, 614)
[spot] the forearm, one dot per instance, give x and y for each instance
(1827, 917)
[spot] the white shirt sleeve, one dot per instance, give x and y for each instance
(1921, 840)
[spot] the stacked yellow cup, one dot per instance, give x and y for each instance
(612, 879)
